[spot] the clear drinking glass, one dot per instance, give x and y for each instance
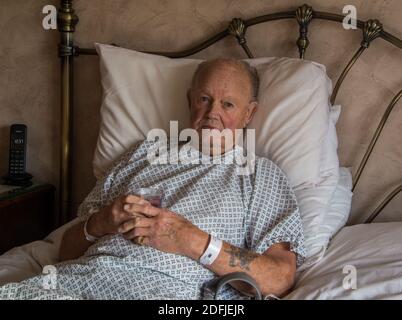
(153, 195)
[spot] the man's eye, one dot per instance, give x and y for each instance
(204, 99)
(228, 104)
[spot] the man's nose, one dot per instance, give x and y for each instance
(214, 108)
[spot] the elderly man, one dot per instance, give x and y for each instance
(213, 221)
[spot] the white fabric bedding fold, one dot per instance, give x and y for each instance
(374, 250)
(26, 261)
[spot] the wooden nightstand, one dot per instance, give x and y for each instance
(26, 215)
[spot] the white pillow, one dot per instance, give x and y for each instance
(329, 155)
(322, 216)
(143, 91)
(340, 204)
(140, 92)
(324, 210)
(292, 121)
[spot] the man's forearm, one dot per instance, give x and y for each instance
(273, 274)
(74, 244)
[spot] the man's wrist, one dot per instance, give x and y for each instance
(93, 226)
(198, 243)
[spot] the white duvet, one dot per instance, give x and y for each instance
(371, 252)
(28, 260)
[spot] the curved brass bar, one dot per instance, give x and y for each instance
(371, 30)
(208, 42)
(270, 17)
(360, 24)
(334, 17)
(253, 21)
(345, 72)
(247, 51)
(178, 54)
(375, 137)
(383, 204)
(391, 39)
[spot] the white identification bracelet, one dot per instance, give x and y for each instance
(212, 252)
(87, 235)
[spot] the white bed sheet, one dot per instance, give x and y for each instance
(374, 249)
(28, 260)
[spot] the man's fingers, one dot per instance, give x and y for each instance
(137, 232)
(137, 222)
(134, 208)
(125, 217)
(127, 226)
(142, 241)
(130, 198)
(143, 222)
(144, 209)
(150, 211)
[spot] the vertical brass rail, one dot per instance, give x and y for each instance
(375, 138)
(67, 21)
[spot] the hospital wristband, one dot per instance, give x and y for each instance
(87, 235)
(212, 252)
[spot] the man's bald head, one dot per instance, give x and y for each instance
(241, 66)
(223, 96)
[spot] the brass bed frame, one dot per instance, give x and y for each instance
(67, 21)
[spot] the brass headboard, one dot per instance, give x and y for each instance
(67, 21)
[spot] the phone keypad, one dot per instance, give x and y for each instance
(17, 165)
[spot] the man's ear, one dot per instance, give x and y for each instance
(252, 108)
(189, 98)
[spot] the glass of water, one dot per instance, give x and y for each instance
(153, 195)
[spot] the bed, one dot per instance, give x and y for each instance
(361, 261)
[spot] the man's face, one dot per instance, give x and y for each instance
(221, 99)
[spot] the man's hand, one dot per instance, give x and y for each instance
(164, 230)
(109, 220)
(112, 218)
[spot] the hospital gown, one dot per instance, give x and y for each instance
(249, 211)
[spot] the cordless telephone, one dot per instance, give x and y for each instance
(17, 157)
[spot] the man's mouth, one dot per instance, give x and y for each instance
(210, 127)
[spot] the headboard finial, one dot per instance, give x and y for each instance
(371, 30)
(66, 17)
(304, 15)
(237, 28)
